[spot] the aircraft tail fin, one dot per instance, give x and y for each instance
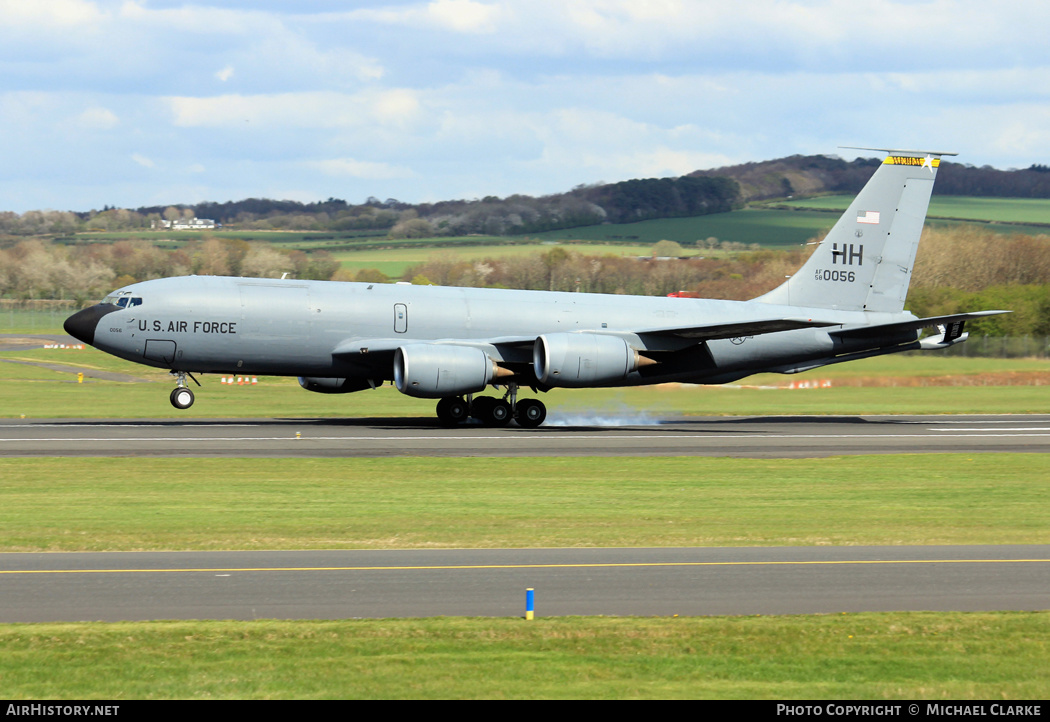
(865, 261)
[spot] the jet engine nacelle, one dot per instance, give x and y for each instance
(583, 359)
(434, 371)
(334, 386)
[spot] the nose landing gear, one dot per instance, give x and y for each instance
(181, 396)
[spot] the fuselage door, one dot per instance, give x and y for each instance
(400, 318)
(159, 350)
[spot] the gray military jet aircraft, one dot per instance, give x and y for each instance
(846, 303)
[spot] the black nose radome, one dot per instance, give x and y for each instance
(82, 324)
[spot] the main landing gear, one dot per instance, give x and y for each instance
(492, 411)
(181, 396)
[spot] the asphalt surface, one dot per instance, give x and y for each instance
(753, 437)
(346, 584)
(22, 342)
(37, 587)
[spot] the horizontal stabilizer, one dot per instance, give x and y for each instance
(900, 150)
(914, 325)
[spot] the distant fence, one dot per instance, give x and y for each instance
(47, 316)
(41, 316)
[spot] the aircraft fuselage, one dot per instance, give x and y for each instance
(213, 324)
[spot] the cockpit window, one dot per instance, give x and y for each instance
(124, 299)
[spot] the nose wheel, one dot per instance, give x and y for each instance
(181, 396)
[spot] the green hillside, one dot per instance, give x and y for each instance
(779, 225)
(1015, 211)
(766, 226)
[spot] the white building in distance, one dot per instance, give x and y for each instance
(193, 224)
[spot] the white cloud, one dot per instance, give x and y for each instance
(436, 99)
(359, 169)
(458, 16)
(1016, 138)
(396, 107)
(196, 19)
(464, 16)
(662, 161)
(771, 34)
(70, 13)
(284, 110)
(98, 118)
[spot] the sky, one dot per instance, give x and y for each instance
(133, 103)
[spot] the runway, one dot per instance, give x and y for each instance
(36, 587)
(41, 587)
(754, 437)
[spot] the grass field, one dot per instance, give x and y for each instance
(892, 656)
(133, 504)
(236, 503)
(48, 394)
(764, 226)
(35, 321)
(992, 210)
(926, 384)
(303, 239)
(767, 227)
(394, 261)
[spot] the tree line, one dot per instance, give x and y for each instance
(515, 215)
(806, 175)
(699, 193)
(34, 268)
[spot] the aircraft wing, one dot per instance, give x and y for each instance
(734, 329)
(362, 346)
(708, 332)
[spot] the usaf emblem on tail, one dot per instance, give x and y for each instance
(452, 344)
